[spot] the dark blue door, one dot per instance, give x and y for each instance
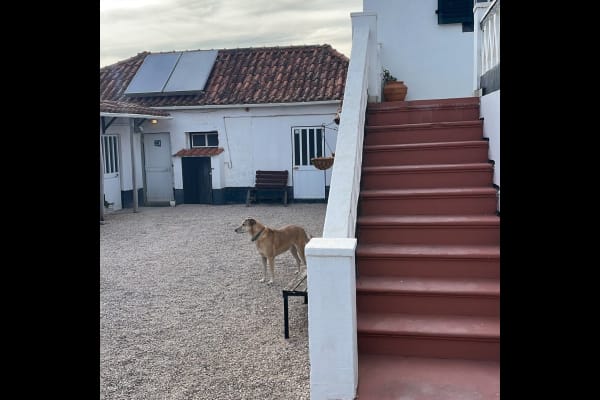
(197, 180)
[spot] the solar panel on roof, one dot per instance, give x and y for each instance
(153, 74)
(172, 73)
(191, 72)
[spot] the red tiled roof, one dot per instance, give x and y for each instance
(246, 76)
(121, 107)
(199, 152)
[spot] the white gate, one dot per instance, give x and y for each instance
(112, 179)
(309, 182)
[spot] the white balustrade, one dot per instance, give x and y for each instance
(331, 259)
(490, 47)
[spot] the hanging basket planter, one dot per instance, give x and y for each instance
(322, 163)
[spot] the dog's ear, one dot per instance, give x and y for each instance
(251, 221)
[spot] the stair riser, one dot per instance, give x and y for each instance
(425, 156)
(430, 235)
(429, 268)
(419, 304)
(423, 180)
(416, 116)
(428, 206)
(429, 347)
(422, 135)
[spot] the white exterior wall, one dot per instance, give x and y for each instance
(434, 61)
(490, 111)
(121, 127)
(259, 138)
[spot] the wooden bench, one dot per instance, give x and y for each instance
(268, 181)
(296, 287)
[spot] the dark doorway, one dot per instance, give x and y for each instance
(197, 181)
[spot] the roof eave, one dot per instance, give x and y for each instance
(257, 105)
(129, 115)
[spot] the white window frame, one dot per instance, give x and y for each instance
(110, 153)
(304, 145)
(206, 135)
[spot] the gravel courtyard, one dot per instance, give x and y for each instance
(182, 313)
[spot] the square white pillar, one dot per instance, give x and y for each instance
(332, 343)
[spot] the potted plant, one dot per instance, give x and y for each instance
(393, 89)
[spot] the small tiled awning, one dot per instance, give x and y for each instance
(200, 152)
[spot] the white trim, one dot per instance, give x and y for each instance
(124, 115)
(364, 13)
(211, 106)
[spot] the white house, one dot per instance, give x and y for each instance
(119, 177)
(212, 118)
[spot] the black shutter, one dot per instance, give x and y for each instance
(455, 11)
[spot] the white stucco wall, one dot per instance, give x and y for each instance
(121, 127)
(490, 111)
(253, 138)
(434, 61)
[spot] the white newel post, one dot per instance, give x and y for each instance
(374, 71)
(478, 11)
(332, 318)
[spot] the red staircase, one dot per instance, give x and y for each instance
(428, 255)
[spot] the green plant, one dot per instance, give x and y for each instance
(388, 77)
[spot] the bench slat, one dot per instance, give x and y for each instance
(270, 185)
(298, 284)
(268, 180)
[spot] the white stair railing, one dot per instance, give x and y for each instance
(490, 47)
(332, 341)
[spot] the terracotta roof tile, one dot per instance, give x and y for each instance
(199, 152)
(121, 107)
(246, 76)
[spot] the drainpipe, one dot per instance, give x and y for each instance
(133, 182)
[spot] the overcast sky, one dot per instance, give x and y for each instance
(128, 27)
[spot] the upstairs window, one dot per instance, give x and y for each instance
(456, 11)
(204, 139)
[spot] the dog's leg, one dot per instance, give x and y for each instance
(295, 254)
(301, 254)
(264, 262)
(272, 267)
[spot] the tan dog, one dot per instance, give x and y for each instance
(273, 242)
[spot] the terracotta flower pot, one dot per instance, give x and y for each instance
(395, 91)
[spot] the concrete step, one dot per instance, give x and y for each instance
(426, 153)
(408, 112)
(389, 377)
(424, 335)
(440, 201)
(429, 132)
(428, 261)
(419, 295)
(429, 229)
(427, 176)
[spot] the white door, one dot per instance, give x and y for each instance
(158, 168)
(309, 182)
(112, 177)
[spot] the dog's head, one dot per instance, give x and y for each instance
(246, 225)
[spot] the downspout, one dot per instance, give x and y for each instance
(133, 182)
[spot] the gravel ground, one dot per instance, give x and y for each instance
(182, 313)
